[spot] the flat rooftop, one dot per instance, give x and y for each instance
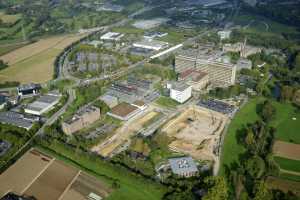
(183, 165)
(180, 86)
(15, 119)
(123, 109)
(44, 102)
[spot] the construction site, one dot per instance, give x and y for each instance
(121, 139)
(197, 132)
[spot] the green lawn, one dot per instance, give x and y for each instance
(131, 186)
(286, 127)
(231, 148)
(287, 164)
(289, 177)
(166, 102)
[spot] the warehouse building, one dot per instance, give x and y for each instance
(184, 166)
(151, 44)
(83, 118)
(18, 119)
(112, 36)
(43, 104)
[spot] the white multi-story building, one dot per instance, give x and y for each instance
(180, 92)
(224, 34)
(112, 36)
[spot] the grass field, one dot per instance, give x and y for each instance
(287, 164)
(35, 62)
(131, 187)
(166, 102)
(231, 148)
(286, 127)
(9, 19)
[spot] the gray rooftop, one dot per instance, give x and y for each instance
(180, 86)
(15, 119)
(183, 165)
(29, 86)
(44, 101)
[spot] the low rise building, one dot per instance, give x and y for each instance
(180, 91)
(112, 36)
(225, 34)
(28, 89)
(124, 111)
(18, 119)
(153, 35)
(184, 166)
(43, 104)
(243, 63)
(195, 78)
(111, 101)
(151, 44)
(84, 117)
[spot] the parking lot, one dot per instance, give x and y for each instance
(217, 106)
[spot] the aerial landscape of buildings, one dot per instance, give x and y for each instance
(149, 100)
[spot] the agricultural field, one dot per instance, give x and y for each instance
(35, 62)
(49, 179)
(286, 150)
(284, 185)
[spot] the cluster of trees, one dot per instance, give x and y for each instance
(248, 177)
(3, 65)
(231, 91)
(163, 72)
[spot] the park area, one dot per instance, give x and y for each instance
(35, 62)
(196, 131)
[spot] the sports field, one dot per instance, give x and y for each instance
(35, 62)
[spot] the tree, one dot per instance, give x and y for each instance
(268, 111)
(217, 188)
(287, 93)
(262, 192)
(255, 166)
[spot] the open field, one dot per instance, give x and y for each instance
(9, 19)
(286, 127)
(131, 186)
(287, 150)
(23, 172)
(166, 102)
(125, 132)
(43, 177)
(52, 183)
(288, 164)
(232, 150)
(196, 132)
(284, 185)
(34, 62)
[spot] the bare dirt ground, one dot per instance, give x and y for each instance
(284, 185)
(287, 150)
(196, 132)
(83, 186)
(124, 133)
(53, 182)
(34, 62)
(23, 172)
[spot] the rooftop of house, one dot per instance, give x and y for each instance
(180, 86)
(30, 86)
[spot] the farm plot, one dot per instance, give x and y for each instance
(18, 176)
(35, 62)
(284, 185)
(196, 132)
(287, 150)
(83, 186)
(50, 187)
